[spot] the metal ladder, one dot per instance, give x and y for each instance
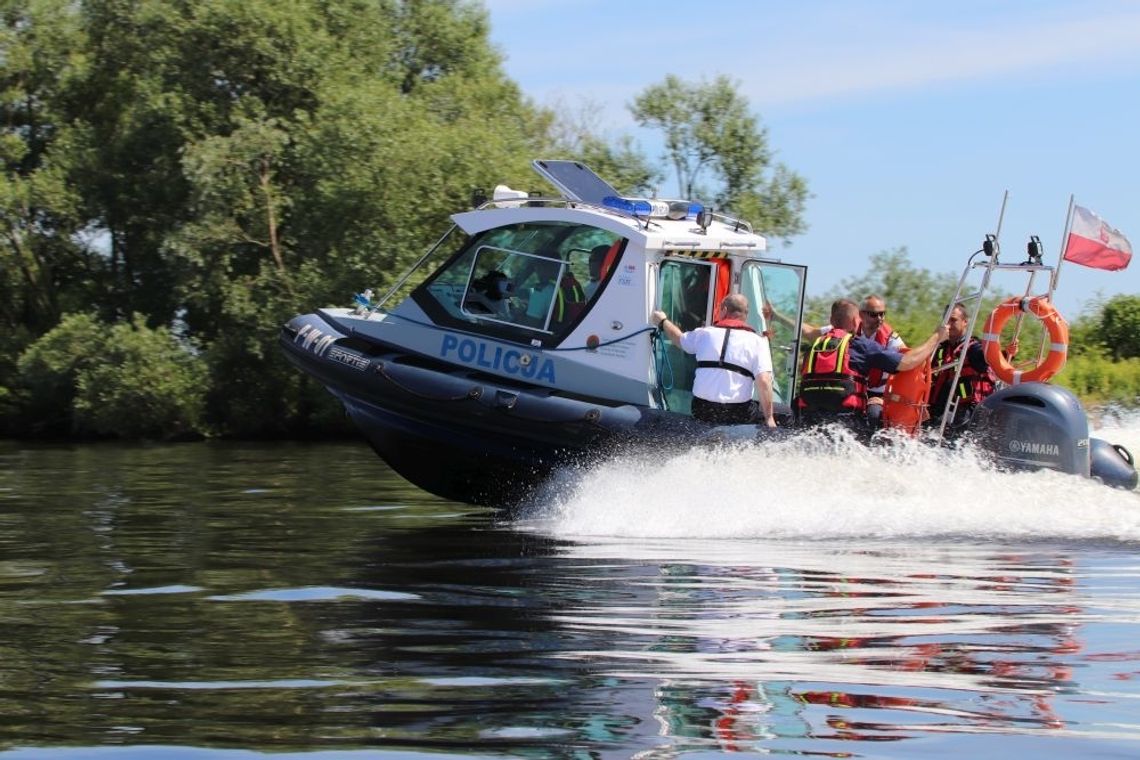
(991, 250)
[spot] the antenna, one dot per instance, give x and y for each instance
(992, 246)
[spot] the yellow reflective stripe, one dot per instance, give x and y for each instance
(842, 352)
(815, 351)
(821, 346)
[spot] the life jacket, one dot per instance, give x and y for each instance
(728, 325)
(973, 386)
(569, 299)
(828, 382)
(876, 377)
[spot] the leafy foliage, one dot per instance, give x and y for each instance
(48, 372)
(85, 377)
(1099, 381)
(224, 165)
(571, 133)
(1120, 327)
(709, 128)
(916, 298)
(142, 384)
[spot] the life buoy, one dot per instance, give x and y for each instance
(1054, 324)
(905, 398)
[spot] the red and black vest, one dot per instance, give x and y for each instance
(728, 325)
(569, 299)
(973, 386)
(882, 336)
(828, 382)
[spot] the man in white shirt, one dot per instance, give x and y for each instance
(731, 357)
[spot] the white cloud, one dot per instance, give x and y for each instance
(811, 52)
(908, 56)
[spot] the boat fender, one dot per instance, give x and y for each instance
(1054, 324)
(1112, 464)
(418, 382)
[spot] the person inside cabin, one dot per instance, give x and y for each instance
(490, 294)
(558, 292)
(976, 381)
(597, 259)
(837, 368)
(570, 298)
(731, 359)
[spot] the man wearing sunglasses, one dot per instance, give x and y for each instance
(836, 369)
(873, 325)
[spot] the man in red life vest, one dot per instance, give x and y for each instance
(731, 357)
(977, 380)
(835, 370)
(873, 324)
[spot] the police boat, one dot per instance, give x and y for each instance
(520, 343)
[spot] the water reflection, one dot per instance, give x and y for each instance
(293, 598)
(763, 646)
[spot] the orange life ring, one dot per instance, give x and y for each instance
(905, 398)
(1054, 324)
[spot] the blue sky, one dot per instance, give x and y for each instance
(909, 120)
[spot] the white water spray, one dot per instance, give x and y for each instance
(815, 487)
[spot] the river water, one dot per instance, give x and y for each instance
(223, 601)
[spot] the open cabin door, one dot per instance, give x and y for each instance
(687, 290)
(781, 288)
(690, 292)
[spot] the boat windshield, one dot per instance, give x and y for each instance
(533, 278)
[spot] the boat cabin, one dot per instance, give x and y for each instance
(558, 291)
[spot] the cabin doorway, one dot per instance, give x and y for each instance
(687, 289)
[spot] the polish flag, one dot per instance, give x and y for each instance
(1092, 243)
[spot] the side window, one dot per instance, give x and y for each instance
(524, 281)
(515, 288)
(779, 287)
(451, 285)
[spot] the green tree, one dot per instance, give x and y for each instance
(915, 296)
(709, 129)
(221, 166)
(143, 384)
(572, 134)
(86, 377)
(40, 210)
(49, 374)
(1120, 326)
(917, 299)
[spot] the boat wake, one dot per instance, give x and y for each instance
(826, 486)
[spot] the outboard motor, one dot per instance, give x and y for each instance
(1034, 426)
(1112, 464)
